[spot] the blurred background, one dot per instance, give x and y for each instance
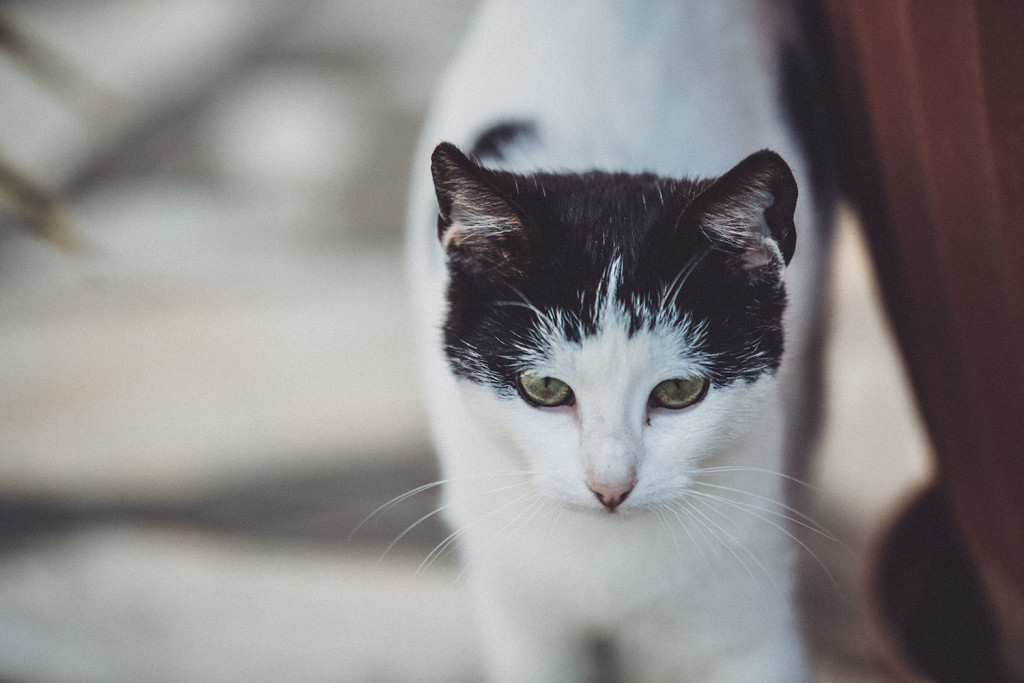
(205, 369)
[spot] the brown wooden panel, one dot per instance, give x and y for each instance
(934, 93)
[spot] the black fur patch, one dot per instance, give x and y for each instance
(571, 227)
(491, 144)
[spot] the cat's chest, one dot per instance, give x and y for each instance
(582, 564)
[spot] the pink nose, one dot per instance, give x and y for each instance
(611, 495)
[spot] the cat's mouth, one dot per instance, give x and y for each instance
(619, 510)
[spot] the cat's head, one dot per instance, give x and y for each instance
(615, 331)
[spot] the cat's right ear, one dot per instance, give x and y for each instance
(748, 213)
(477, 224)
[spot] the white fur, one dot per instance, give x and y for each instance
(686, 587)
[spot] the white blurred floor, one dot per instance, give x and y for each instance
(230, 347)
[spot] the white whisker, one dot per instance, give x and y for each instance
(535, 497)
(753, 511)
(732, 542)
(759, 470)
(689, 533)
(660, 514)
(439, 510)
(545, 317)
(426, 487)
(449, 540)
(794, 515)
(670, 293)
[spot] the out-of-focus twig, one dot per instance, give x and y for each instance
(41, 210)
(92, 102)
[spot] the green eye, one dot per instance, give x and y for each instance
(545, 391)
(679, 393)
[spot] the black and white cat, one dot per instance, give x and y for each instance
(616, 335)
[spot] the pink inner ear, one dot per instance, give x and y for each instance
(738, 225)
(763, 255)
(471, 227)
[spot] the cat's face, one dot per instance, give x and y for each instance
(615, 332)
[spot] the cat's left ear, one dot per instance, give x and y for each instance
(478, 225)
(748, 212)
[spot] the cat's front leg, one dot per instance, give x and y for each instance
(520, 646)
(779, 659)
(714, 653)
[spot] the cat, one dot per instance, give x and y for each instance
(617, 330)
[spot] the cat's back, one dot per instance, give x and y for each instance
(682, 87)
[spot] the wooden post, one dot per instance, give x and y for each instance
(933, 95)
